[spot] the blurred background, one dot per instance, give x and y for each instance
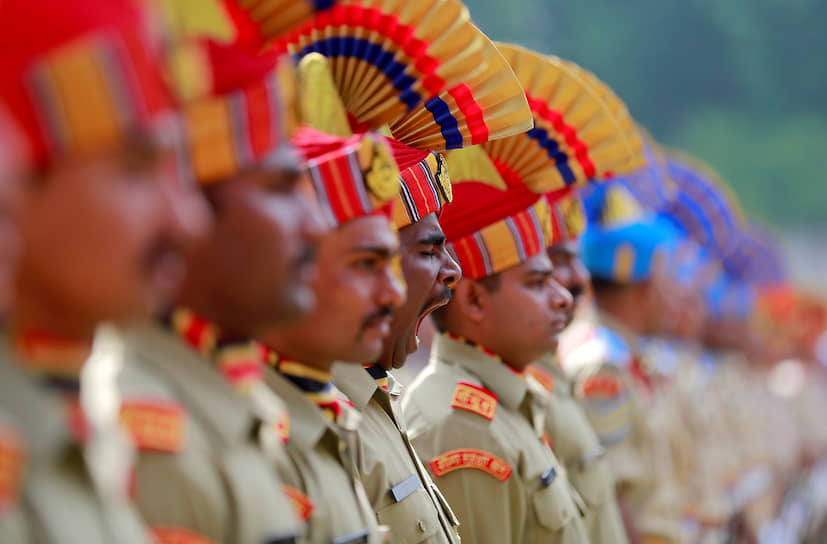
(742, 84)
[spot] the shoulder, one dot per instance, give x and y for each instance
(589, 345)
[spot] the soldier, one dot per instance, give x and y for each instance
(207, 428)
(472, 415)
(626, 252)
(572, 436)
(358, 288)
(103, 224)
(398, 486)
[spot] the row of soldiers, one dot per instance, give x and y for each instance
(226, 222)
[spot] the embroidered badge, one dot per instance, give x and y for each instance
(177, 535)
(12, 460)
(470, 458)
(475, 399)
(301, 503)
(155, 424)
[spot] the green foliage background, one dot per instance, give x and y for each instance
(740, 83)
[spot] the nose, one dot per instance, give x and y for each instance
(392, 289)
(580, 276)
(449, 271)
(189, 216)
(313, 225)
(560, 298)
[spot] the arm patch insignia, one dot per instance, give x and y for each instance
(154, 424)
(470, 458)
(475, 399)
(177, 535)
(301, 503)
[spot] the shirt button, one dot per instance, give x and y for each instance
(421, 526)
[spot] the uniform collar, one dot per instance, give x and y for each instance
(307, 423)
(229, 413)
(355, 383)
(494, 374)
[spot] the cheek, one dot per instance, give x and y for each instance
(420, 277)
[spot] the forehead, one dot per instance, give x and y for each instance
(537, 263)
(424, 230)
(372, 232)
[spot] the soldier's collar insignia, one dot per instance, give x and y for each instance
(301, 503)
(475, 399)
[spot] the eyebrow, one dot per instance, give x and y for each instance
(380, 251)
(432, 239)
(545, 272)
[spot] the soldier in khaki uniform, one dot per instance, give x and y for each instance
(399, 487)
(102, 230)
(572, 437)
(358, 288)
(208, 429)
(625, 251)
(478, 422)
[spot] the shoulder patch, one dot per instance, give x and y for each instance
(12, 461)
(177, 535)
(470, 458)
(154, 424)
(543, 377)
(301, 503)
(607, 406)
(475, 399)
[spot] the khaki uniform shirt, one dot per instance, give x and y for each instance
(204, 465)
(641, 461)
(320, 471)
(480, 430)
(576, 445)
(71, 492)
(399, 487)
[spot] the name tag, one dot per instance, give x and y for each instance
(549, 476)
(405, 487)
(357, 538)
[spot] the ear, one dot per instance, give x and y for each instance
(473, 299)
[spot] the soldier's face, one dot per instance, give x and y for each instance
(103, 236)
(570, 272)
(430, 272)
(525, 315)
(357, 291)
(260, 261)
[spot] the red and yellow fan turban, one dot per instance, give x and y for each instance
(82, 77)
(422, 72)
(581, 133)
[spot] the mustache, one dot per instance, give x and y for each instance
(381, 314)
(307, 255)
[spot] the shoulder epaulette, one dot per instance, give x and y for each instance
(177, 535)
(475, 399)
(470, 458)
(12, 462)
(301, 503)
(154, 424)
(607, 404)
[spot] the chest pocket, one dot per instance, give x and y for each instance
(553, 505)
(594, 481)
(413, 518)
